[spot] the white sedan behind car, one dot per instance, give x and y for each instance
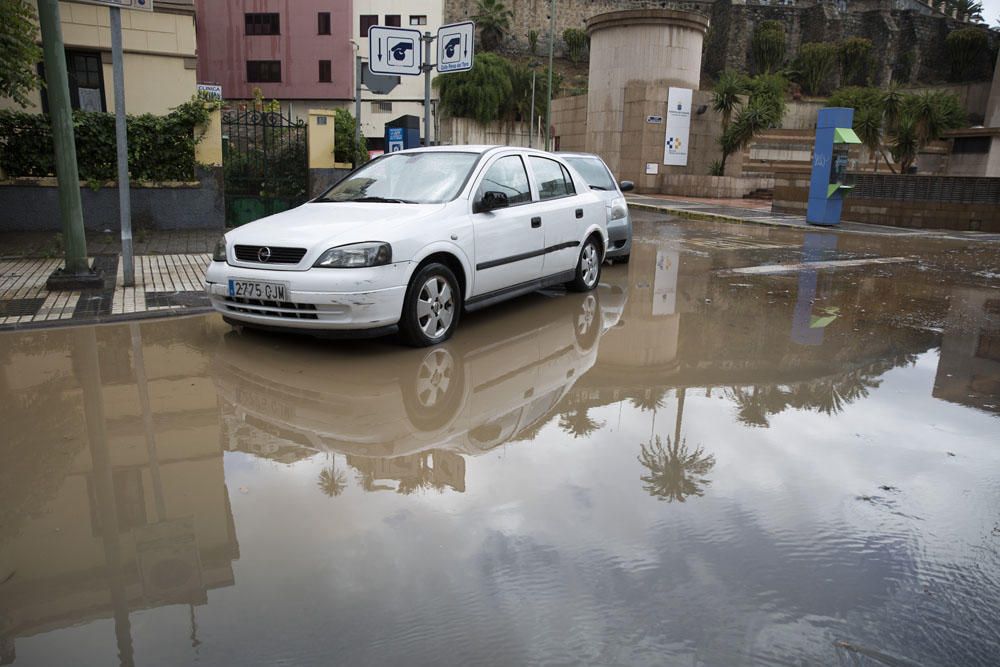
(410, 240)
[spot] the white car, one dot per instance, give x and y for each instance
(599, 178)
(410, 240)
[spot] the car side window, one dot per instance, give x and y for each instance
(507, 175)
(553, 179)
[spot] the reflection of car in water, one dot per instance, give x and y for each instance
(399, 50)
(501, 376)
(449, 48)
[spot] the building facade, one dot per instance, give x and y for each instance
(160, 58)
(298, 53)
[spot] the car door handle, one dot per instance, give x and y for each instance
(536, 222)
(579, 213)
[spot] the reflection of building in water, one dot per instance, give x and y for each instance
(969, 370)
(435, 469)
(130, 510)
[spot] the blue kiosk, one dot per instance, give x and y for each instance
(830, 181)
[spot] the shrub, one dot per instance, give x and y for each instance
(576, 43)
(494, 89)
(160, 148)
(533, 41)
(768, 46)
(856, 62)
(814, 65)
(968, 49)
(345, 149)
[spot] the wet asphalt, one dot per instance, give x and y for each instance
(749, 445)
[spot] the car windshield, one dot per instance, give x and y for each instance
(593, 171)
(405, 178)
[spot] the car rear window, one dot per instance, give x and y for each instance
(593, 171)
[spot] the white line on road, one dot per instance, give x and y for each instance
(831, 264)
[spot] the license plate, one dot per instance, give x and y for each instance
(254, 289)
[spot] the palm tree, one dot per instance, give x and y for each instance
(675, 472)
(726, 95)
(493, 19)
(969, 11)
(868, 125)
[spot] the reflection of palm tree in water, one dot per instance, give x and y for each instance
(675, 472)
(578, 423)
(332, 482)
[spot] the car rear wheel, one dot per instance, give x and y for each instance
(431, 308)
(588, 267)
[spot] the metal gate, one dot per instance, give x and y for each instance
(265, 162)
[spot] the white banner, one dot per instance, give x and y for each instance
(675, 143)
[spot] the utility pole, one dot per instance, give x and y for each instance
(428, 67)
(77, 271)
(121, 139)
(531, 118)
(548, 92)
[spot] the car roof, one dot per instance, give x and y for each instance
(480, 149)
(577, 154)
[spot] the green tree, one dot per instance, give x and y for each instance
(493, 20)
(480, 93)
(968, 52)
(764, 109)
(576, 43)
(922, 120)
(814, 66)
(345, 148)
(856, 61)
(533, 41)
(969, 11)
(19, 54)
(768, 46)
(726, 95)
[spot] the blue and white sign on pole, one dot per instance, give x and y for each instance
(394, 51)
(456, 46)
(395, 139)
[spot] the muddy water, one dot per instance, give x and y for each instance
(691, 465)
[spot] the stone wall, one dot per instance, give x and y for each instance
(569, 118)
(32, 204)
(714, 187)
(921, 202)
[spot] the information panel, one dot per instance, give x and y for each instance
(675, 143)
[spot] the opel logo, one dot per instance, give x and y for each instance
(263, 254)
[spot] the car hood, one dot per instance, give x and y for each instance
(332, 222)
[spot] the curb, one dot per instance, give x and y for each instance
(107, 319)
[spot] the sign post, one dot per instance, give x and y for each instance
(397, 51)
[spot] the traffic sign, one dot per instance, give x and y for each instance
(394, 50)
(456, 44)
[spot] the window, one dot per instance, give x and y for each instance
(553, 179)
(507, 175)
(419, 19)
(325, 71)
(263, 71)
(381, 107)
(367, 21)
(323, 27)
(86, 81)
(394, 20)
(422, 178)
(263, 24)
(594, 172)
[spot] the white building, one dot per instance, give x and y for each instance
(408, 97)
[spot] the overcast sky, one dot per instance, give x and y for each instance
(991, 11)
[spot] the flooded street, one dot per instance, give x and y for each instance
(710, 460)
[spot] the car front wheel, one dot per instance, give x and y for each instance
(432, 307)
(588, 267)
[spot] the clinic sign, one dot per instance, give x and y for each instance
(676, 139)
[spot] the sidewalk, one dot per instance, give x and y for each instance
(169, 267)
(757, 212)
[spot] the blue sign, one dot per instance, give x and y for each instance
(395, 133)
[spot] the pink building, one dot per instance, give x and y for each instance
(293, 50)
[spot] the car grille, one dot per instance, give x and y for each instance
(252, 253)
(296, 311)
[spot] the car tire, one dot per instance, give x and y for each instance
(588, 267)
(431, 308)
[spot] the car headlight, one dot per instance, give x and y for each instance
(219, 254)
(356, 256)
(618, 209)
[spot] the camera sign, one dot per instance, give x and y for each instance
(456, 44)
(394, 50)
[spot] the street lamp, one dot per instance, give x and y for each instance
(531, 118)
(548, 93)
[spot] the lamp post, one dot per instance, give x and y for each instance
(531, 118)
(548, 92)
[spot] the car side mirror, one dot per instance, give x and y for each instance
(627, 186)
(492, 200)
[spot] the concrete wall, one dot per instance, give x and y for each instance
(654, 47)
(32, 204)
(569, 118)
(714, 187)
(458, 131)
(921, 202)
(159, 50)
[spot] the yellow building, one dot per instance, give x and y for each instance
(160, 57)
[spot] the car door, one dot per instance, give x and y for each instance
(509, 240)
(560, 212)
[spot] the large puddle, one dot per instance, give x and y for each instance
(691, 465)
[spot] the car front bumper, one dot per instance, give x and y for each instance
(318, 299)
(619, 237)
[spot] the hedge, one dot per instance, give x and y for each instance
(160, 148)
